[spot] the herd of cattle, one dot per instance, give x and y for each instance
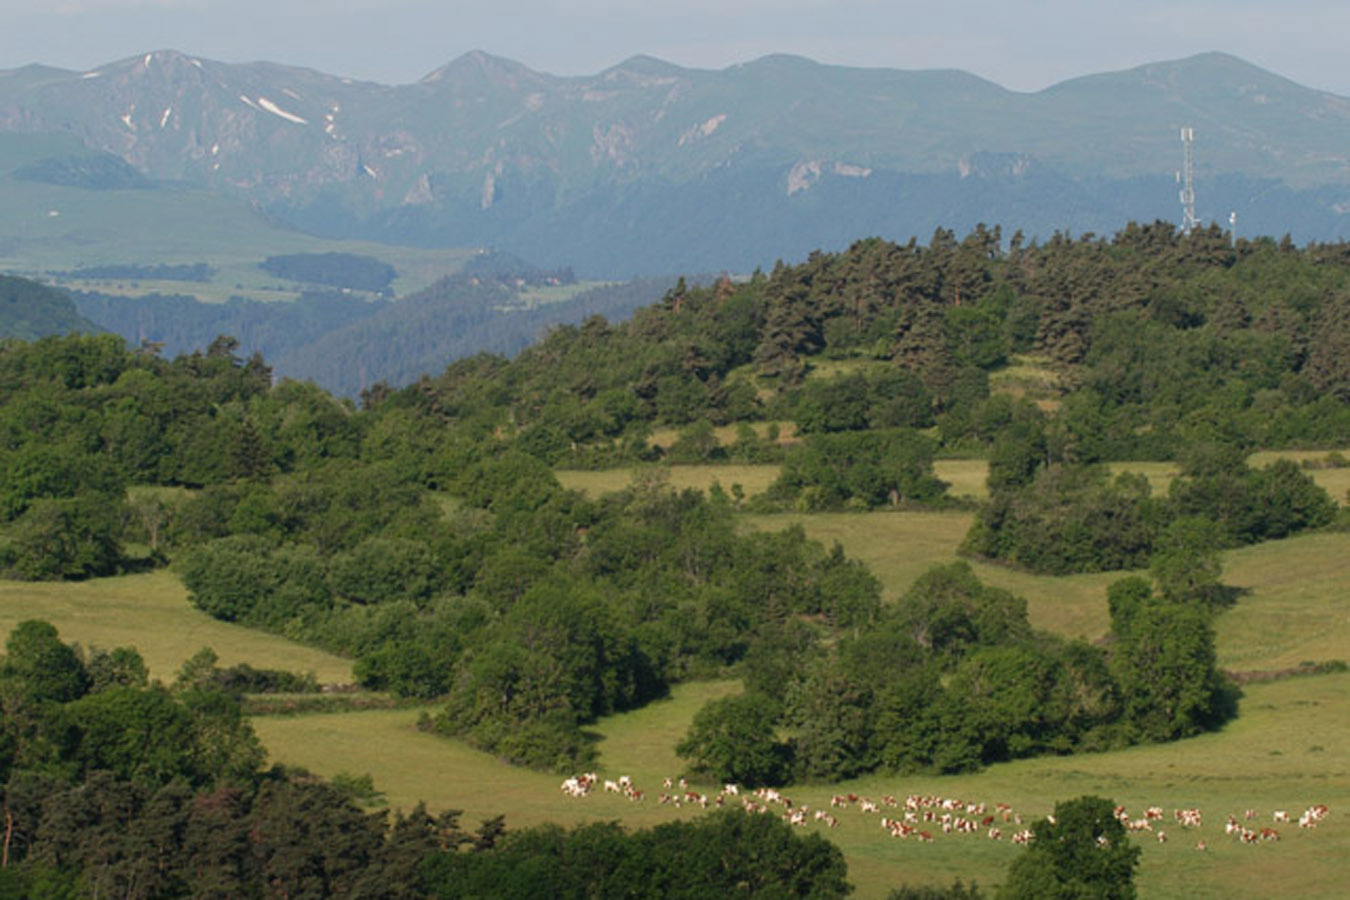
(921, 817)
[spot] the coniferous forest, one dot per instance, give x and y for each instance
(423, 532)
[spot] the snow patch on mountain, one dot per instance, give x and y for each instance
(278, 111)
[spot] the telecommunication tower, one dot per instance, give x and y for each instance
(1188, 220)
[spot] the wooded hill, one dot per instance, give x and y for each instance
(425, 534)
(29, 311)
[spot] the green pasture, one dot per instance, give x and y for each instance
(409, 765)
(834, 368)
(898, 547)
(1160, 475)
(1295, 603)
(1295, 607)
(753, 479)
(965, 477)
(1032, 377)
(1289, 749)
(47, 228)
(151, 613)
(1335, 482)
(726, 434)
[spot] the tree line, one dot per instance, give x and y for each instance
(111, 785)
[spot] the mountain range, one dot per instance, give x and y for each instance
(648, 167)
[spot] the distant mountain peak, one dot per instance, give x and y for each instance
(780, 61)
(645, 66)
(477, 67)
(1212, 67)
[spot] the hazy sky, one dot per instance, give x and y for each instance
(1020, 44)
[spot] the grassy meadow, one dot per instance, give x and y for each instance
(49, 228)
(1289, 749)
(726, 434)
(754, 479)
(965, 477)
(151, 613)
(898, 547)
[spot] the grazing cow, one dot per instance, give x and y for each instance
(1280, 815)
(1269, 834)
(1312, 815)
(731, 789)
(1162, 836)
(1189, 818)
(925, 837)
(838, 800)
(612, 787)
(1201, 845)
(995, 834)
(1249, 815)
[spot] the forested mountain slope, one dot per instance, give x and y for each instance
(652, 168)
(29, 311)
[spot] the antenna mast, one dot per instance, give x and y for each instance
(1188, 220)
